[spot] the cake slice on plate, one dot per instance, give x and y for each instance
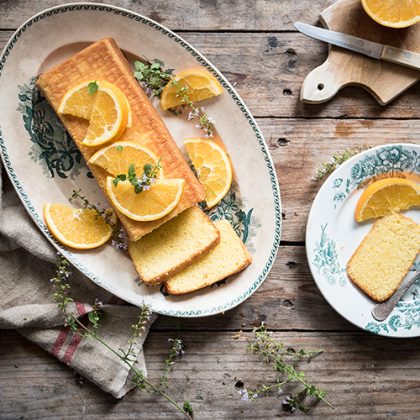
(385, 256)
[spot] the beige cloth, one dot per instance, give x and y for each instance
(27, 305)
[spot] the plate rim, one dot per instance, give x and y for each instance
(275, 189)
(314, 273)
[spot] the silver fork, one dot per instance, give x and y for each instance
(382, 310)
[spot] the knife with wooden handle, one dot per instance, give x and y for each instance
(362, 46)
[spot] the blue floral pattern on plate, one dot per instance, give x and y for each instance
(331, 239)
(326, 259)
(385, 160)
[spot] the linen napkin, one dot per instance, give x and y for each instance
(27, 262)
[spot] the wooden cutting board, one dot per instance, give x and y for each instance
(385, 81)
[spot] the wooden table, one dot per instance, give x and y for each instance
(254, 44)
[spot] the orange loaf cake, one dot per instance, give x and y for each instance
(103, 60)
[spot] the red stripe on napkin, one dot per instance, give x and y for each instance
(75, 341)
(61, 338)
(81, 308)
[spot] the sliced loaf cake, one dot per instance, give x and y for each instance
(228, 257)
(173, 246)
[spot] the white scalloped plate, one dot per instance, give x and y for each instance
(45, 166)
(332, 235)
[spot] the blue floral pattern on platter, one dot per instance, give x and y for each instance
(55, 150)
(388, 159)
(52, 147)
(12, 47)
(231, 208)
(326, 259)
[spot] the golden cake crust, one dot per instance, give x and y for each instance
(104, 60)
(228, 257)
(207, 234)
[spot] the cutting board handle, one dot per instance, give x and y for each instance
(321, 84)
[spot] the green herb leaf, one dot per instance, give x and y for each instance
(188, 408)
(283, 360)
(131, 170)
(152, 76)
(118, 178)
(336, 160)
(139, 66)
(119, 148)
(148, 168)
(92, 87)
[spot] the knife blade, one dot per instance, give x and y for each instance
(362, 46)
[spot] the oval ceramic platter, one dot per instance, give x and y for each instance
(332, 235)
(44, 164)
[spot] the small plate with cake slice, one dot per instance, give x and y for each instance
(363, 237)
(151, 196)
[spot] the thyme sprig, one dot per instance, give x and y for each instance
(205, 122)
(119, 238)
(143, 183)
(176, 350)
(106, 214)
(336, 160)
(284, 360)
(62, 298)
(153, 77)
(138, 328)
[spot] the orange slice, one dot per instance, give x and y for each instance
(107, 109)
(200, 85)
(77, 102)
(117, 157)
(77, 228)
(387, 196)
(213, 168)
(155, 203)
(393, 13)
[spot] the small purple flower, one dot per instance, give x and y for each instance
(193, 114)
(244, 394)
(178, 346)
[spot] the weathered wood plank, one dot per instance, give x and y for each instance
(300, 146)
(288, 299)
(365, 376)
(268, 71)
(200, 15)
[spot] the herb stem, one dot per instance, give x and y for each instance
(130, 365)
(306, 385)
